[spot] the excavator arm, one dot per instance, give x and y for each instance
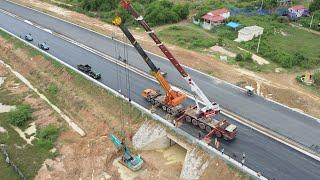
(210, 108)
(173, 98)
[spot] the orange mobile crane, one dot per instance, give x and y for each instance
(171, 103)
(172, 100)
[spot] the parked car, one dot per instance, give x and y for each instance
(28, 37)
(94, 75)
(84, 68)
(87, 69)
(44, 46)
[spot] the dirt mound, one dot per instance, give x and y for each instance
(217, 169)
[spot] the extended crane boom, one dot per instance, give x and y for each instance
(210, 108)
(173, 98)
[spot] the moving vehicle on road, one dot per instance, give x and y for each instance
(28, 37)
(44, 46)
(249, 90)
(86, 68)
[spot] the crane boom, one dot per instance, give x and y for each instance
(210, 108)
(173, 98)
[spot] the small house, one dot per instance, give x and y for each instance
(248, 33)
(215, 18)
(298, 11)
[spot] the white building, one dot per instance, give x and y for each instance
(248, 33)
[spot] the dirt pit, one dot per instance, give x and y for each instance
(159, 164)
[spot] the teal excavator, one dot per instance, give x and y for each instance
(130, 161)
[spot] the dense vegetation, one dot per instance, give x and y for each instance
(156, 12)
(314, 6)
(47, 136)
(20, 115)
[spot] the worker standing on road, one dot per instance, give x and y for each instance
(222, 151)
(243, 155)
(199, 134)
(243, 161)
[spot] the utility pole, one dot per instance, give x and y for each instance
(259, 44)
(261, 4)
(311, 21)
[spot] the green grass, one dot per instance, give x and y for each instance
(6, 171)
(28, 158)
(296, 40)
(20, 115)
(188, 36)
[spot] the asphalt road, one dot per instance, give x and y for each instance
(296, 126)
(272, 159)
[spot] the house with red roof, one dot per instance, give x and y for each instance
(215, 18)
(298, 10)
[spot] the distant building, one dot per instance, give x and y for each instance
(248, 33)
(215, 18)
(297, 11)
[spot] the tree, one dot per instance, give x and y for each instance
(314, 6)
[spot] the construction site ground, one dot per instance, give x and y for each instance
(280, 86)
(98, 113)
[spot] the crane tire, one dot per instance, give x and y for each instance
(208, 129)
(188, 119)
(202, 125)
(153, 102)
(195, 122)
(164, 108)
(218, 134)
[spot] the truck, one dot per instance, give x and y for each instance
(171, 102)
(87, 70)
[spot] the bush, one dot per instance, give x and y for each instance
(47, 136)
(164, 11)
(315, 5)
(283, 19)
(239, 57)
(316, 78)
(52, 89)
(248, 57)
(20, 115)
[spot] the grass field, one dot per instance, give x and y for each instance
(188, 36)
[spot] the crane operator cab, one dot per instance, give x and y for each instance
(249, 90)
